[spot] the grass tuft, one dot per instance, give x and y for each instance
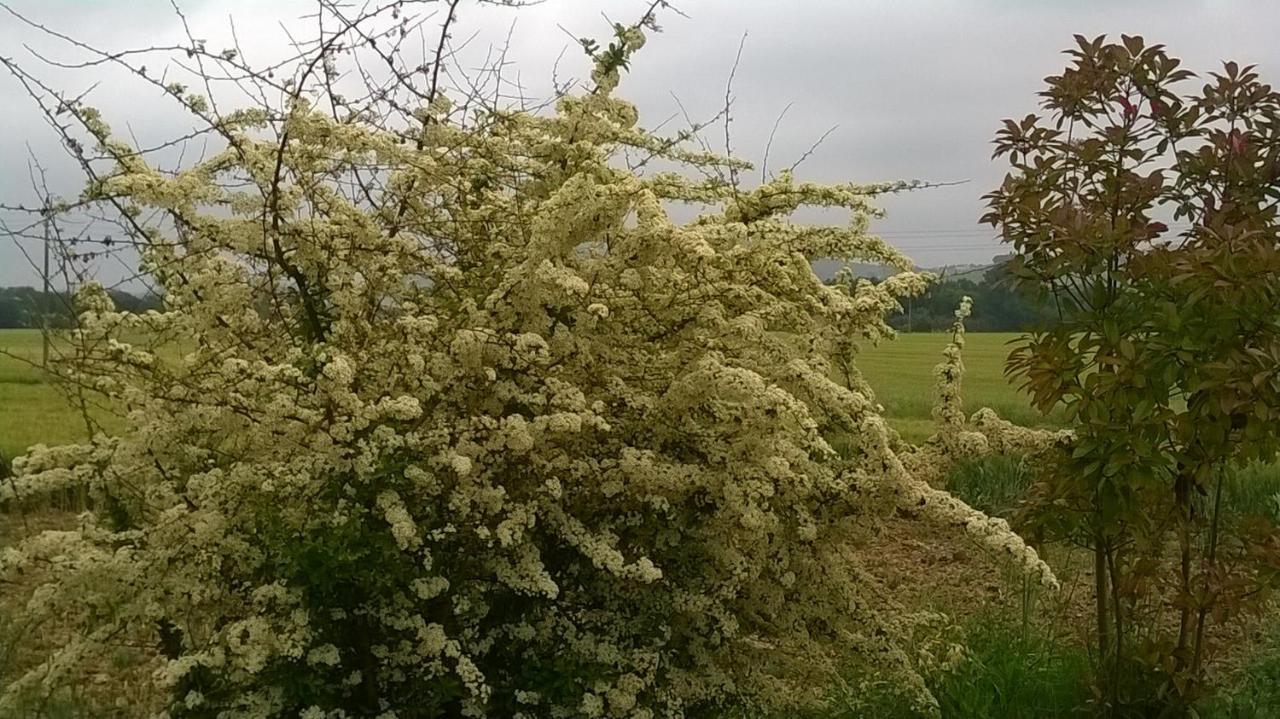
(992, 484)
(1012, 674)
(1009, 672)
(1254, 490)
(1255, 692)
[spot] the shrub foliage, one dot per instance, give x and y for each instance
(1167, 358)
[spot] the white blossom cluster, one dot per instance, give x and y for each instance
(493, 436)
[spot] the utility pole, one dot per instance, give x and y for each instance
(44, 298)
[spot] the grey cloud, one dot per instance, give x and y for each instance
(917, 88)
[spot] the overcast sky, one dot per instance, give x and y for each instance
(915, 89)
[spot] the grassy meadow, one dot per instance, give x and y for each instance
(31, 411)
(901, 373)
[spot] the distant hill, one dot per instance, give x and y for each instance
(826, 270)
(26, 306)
(973, 273)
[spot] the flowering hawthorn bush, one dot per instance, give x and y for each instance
(454, 418)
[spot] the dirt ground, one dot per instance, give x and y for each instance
(939, 569)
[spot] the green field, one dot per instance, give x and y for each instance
(901, 371)
(31, 410)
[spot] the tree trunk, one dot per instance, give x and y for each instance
(1103, 620)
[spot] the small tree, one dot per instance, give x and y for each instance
(446, 416)
(1166, 357)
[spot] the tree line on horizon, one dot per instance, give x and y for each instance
(30, 307)
(996, 306)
